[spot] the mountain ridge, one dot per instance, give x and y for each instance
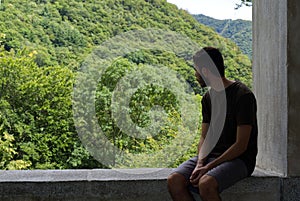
(239, 31)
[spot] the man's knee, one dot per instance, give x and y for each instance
(208, 186)
(176, 181)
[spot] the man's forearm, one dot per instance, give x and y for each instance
(200, 160)
(204, 127)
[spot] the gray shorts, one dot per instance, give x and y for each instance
(226, 174)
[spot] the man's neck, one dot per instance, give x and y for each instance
(227, 82)
(221, 84)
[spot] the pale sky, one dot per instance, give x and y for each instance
(219, 9)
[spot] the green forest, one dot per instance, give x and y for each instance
(45, 47)
(239, 31)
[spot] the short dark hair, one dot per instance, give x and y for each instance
(211, 58)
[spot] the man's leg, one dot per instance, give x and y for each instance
(220, 178)
(178, 182)
(208, 188)
(178, 188)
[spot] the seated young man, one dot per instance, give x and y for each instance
(233, 156)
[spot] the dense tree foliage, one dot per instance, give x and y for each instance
(43, 44)
(239, 31)
(36, 122)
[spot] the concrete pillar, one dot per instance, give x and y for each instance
(276, 71)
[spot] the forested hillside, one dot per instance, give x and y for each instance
(240, 31)
(44, 44)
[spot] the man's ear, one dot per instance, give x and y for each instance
(204, 71)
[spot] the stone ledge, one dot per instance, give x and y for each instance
(84, 175)
(130, 185)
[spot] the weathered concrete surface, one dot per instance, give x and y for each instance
(291, 189)
(270, 82)
(276, 71)
(293, 74)
(134, 185)
(83, 175)
(84, 185)
(255, 188)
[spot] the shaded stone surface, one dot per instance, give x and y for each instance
(276, 75)
(134, 185)
(291, 189)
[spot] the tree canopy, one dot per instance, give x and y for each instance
(44, 45)
(244, 2)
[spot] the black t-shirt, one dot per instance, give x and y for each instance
(241, 110)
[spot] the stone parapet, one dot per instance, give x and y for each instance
(129, 185)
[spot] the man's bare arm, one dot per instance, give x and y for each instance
(200, 163)
(204, 130)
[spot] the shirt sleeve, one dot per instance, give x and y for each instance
(246, 110)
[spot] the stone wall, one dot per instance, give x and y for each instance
(129, 185)
(276, 73)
